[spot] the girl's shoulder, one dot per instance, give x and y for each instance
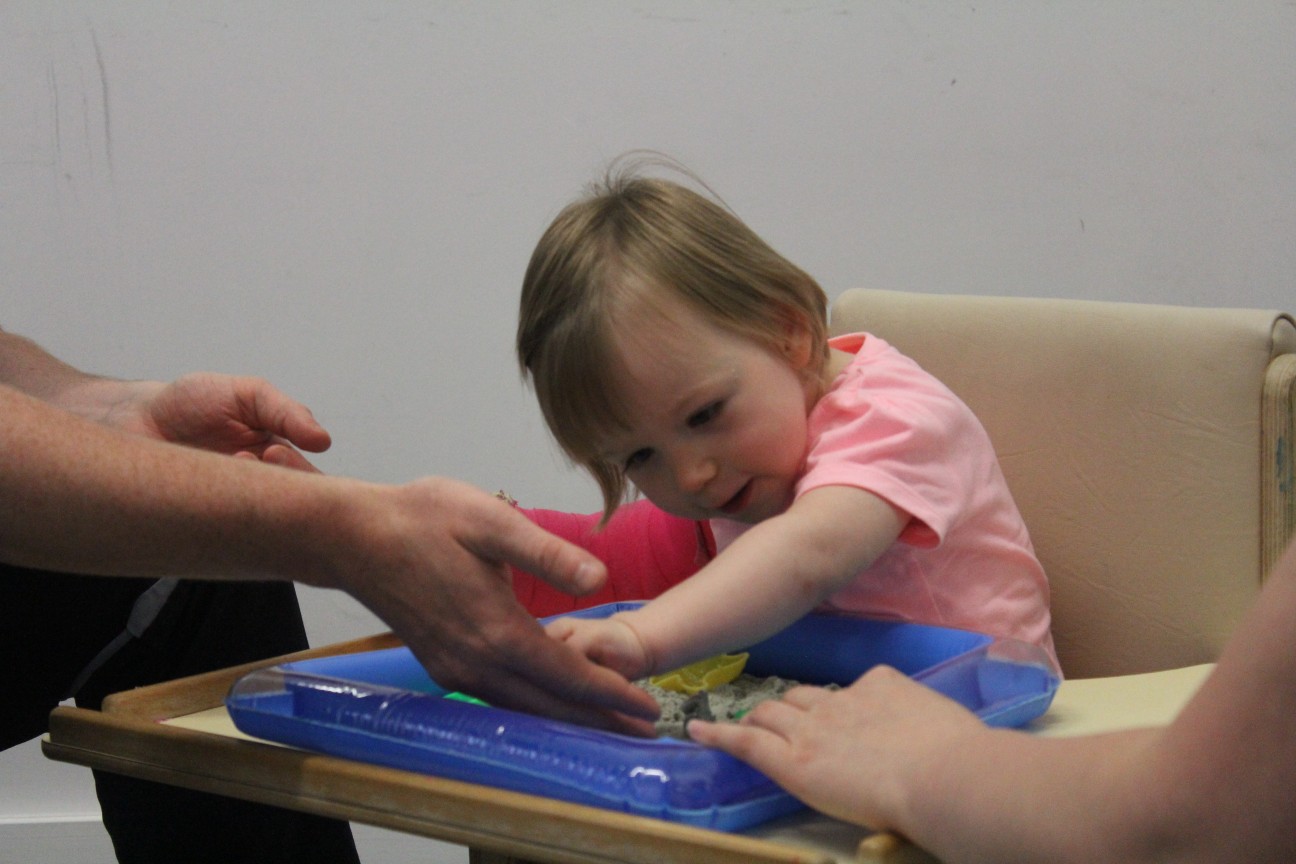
(857, 352)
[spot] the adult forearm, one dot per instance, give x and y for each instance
(1009, 797)
(75, 496)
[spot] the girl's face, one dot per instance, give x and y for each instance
(717, 421)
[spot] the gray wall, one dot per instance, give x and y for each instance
(341, 196)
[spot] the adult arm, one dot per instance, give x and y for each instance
(1217, 784)
(430, 558)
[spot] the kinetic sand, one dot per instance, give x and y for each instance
(724, 703)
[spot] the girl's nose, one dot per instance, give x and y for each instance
(693, 471)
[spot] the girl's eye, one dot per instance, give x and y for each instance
(637, 458)
(706, 415)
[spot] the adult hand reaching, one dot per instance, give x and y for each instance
(436, 570)
(430, 558)
(451, 601)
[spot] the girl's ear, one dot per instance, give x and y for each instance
(797, 342)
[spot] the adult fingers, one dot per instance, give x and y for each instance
(524, 693)
(759, 747)
(506, 535)
(805, 696)
(286, 456)
(543, 676)
(275, 412)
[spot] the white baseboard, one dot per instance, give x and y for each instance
(82, 841)
(380, 846)
(56, 841)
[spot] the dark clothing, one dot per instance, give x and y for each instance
(53, 625)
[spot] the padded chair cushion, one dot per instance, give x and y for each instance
(1130, 436)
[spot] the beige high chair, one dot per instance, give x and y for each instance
(1148, 447)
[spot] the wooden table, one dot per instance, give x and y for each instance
(179, 733)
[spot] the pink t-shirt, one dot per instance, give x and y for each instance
(965, 558)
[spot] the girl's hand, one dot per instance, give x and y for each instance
(609, 642)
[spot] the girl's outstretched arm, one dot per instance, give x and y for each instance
(769, 577)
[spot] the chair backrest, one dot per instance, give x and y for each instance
(1148, 447)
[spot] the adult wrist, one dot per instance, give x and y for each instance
(337, 527)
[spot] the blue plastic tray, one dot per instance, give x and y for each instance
(381, 707)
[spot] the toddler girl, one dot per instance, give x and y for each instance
(672, 349)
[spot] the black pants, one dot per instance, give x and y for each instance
(53, 625)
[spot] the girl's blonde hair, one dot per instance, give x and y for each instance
(628, 237)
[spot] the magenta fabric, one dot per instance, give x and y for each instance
(646, 551)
